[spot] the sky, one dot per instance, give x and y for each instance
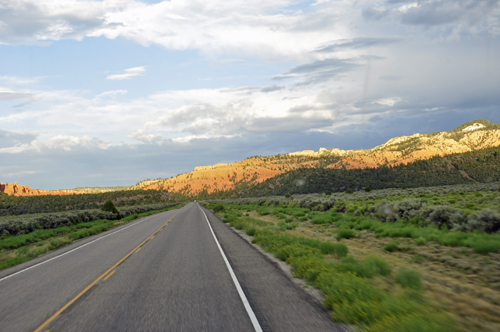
(109, 93)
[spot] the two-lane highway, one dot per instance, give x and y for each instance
(164, 273)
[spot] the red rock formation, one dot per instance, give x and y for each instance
(19, 190)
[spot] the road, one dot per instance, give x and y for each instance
(160, 273)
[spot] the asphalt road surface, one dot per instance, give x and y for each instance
(165, 272)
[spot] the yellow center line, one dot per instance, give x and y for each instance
(138, 250)
(109, 275)
(95, 281)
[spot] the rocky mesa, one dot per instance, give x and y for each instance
(20, 190)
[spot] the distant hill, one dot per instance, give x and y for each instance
(94, 190)
(221, 178)
(21, 190)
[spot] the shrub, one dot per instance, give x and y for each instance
(420, 241)
(345, 233)
(486, 220)
(484, 247)
(408, 279)
(323, 219)
(349, 191)
(375, 265)
(391, 246)
(288, 195)
(338, 249)
(368, 189)
(251, 231)
(218, 208)
(391, 211)
(443, 215)
(328, 193)
(344, 288)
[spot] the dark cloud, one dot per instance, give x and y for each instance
(12, 95)
(320, 70)
(320, 65)
(357, 43)
(431, 13)
(271, 88)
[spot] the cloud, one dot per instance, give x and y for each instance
(357, 43)
(129, 73)
(59, 142)
(13, 80)
(111, 94)
(271, 88)
(143, 137)
(375, 14)
(7, 94)
(12, 138)
(319, 70)
(431, 13)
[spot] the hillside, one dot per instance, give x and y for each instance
(471, 136)
(480, 166)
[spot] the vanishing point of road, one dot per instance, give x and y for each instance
(181, 270)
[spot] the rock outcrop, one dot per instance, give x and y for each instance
(20, 190)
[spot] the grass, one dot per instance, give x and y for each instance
(18, 249)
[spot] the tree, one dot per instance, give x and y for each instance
(109, 206)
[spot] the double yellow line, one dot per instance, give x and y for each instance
(102, 276)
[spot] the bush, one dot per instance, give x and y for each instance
(368, 189)
(374, 265)
(349, 191)
(251, 231)
(408, 279)
(218, 208)
(391, 211)
(391, 246)
(443, 215)
(345, 233)
(420, 241)
(486, 220)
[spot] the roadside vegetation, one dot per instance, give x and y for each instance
(13, 205)
(46, 236)
(421, 260)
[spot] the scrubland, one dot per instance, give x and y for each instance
(422, 261)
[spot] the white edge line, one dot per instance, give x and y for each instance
(250, 312)
(67, 252)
